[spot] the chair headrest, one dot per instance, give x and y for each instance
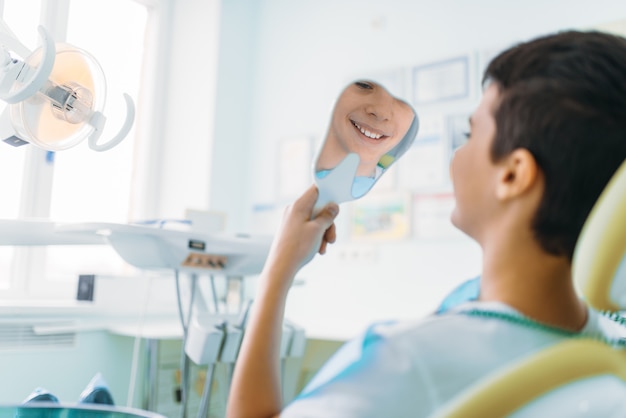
(599, 264)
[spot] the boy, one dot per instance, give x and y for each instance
(547, 136)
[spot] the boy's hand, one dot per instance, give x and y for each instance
(300, 237)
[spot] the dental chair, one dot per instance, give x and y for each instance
(578, 377)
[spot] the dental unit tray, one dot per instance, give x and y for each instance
(24, 232)
(148, 247)
(156, 248)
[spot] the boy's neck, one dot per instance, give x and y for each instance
(539, 285)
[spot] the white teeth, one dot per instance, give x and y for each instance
(367, 133)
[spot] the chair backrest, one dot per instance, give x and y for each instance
(598, 396)
(513, 388)
(590, 375)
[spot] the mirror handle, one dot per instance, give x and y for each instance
(336, 186)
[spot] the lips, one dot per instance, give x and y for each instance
(369, 132)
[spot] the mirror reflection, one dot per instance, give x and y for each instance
(369, 122)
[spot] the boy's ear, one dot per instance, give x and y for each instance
(517, 174)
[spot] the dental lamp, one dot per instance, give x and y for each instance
(55, 95)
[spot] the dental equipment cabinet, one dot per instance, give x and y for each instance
(209, 336)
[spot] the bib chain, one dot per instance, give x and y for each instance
(530, 323)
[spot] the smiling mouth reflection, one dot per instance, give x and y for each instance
(366, 132)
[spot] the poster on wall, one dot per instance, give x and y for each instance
(381, 216)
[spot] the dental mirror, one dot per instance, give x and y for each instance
(369, 131)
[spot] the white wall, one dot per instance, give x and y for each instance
(306, 51)
(302, 53)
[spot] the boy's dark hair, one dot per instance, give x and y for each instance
(563, 98)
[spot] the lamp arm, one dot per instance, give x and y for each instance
(98, 120)
(41, 74)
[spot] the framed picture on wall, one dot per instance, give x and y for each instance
(441, 81)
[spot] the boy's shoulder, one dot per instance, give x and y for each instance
(434, 328)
